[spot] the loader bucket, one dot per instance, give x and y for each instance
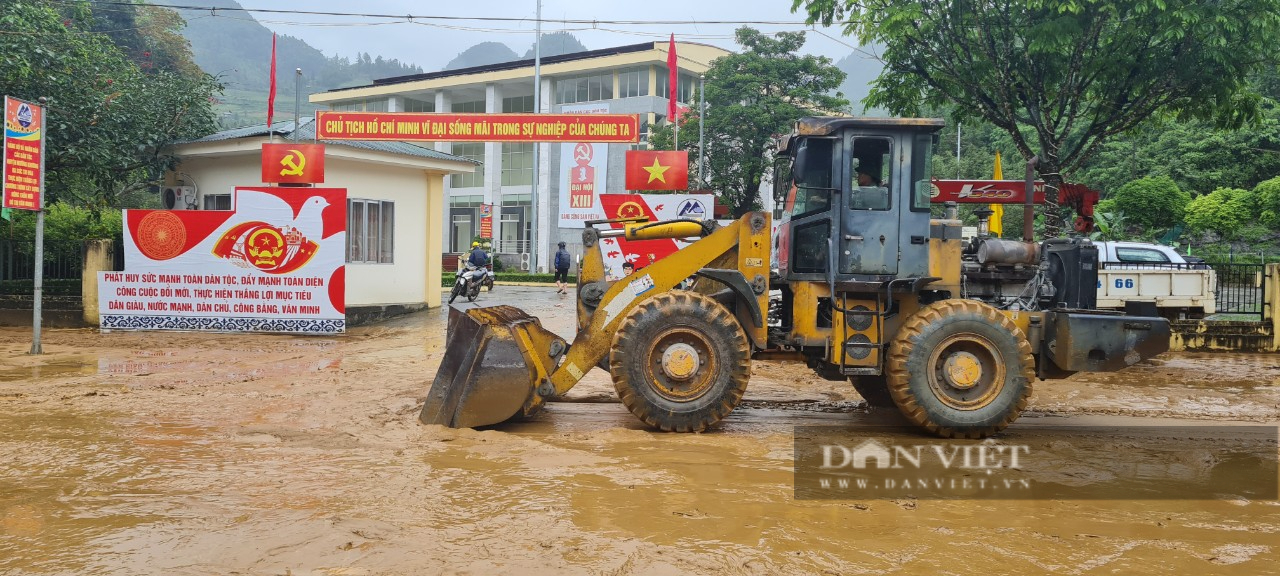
(486, 374)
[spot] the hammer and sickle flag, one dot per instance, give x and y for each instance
(657, 170)
(292, 163)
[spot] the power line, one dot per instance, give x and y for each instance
(411, 18)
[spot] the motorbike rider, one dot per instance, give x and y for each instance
(476, 262)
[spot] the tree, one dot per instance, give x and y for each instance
(108, 121)
(1151, 203)
(751, 98)
(1063, 76)
(1224, 211)
(1268, 195)
(1195, 155)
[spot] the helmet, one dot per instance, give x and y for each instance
(475, 244)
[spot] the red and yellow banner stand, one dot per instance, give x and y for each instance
(23, 154)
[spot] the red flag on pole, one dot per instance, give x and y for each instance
(271, 95)
(673, 76)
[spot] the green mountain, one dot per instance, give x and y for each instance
(861, 68)
(557, 43)
(482, 54)
(231, 45)
(485, 53)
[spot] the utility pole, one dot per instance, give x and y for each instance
(957, 150)
(297, 99)
(537, 146)
(37, 294)
(702, 130)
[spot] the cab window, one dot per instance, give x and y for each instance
(812, 174)
(871, 173)
(1140, 255)
(921, 171)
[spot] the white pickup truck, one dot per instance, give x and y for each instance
(1142, 272)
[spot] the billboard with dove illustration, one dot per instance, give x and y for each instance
(275, 263)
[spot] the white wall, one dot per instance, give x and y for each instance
(401, 282)
(414, 277)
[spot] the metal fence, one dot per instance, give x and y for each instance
(1240, 287)
(62, 261)
(510, 246)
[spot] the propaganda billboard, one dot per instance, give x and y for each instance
(276, 263)
(23, 147)
(584, 170)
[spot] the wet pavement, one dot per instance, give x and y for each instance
(159, 453)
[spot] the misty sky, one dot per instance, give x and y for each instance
(432, 44)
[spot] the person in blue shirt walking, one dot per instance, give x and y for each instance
(562, 262)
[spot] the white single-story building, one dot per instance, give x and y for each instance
(395, 203)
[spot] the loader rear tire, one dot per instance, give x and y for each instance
(680, 361)
(960, 369)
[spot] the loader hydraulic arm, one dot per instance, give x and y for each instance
(501, 362)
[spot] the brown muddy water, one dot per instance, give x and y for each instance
(215, 454)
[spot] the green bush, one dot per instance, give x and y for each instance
(66, 227)
(1268, 195)
(1224, 211)
(1150, 203)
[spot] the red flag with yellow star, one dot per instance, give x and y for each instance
(657, 170)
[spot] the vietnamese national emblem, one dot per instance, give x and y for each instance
(161, 235)
(630, 210)
(268, 248)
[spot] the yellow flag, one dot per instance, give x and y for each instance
(996, 225)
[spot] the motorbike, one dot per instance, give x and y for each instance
(470, 280)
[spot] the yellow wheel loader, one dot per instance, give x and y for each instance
(858, 282)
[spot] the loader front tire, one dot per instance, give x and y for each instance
(680, 362)
(875, 390)
(960, 369)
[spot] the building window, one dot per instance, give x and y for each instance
(472, 107)
(514, 224)
(517, 164)
(217, 201)
(413, 105)
(376, 105)
(685, 87)
(464, 220)
(517, 104)
(371, 227)
(474, 151)
(584, 89)
(646, 130)
(634, 82)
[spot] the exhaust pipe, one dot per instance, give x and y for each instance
(1028, 208)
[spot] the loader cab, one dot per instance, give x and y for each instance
(878, 224)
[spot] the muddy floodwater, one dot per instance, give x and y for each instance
(175, 453)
